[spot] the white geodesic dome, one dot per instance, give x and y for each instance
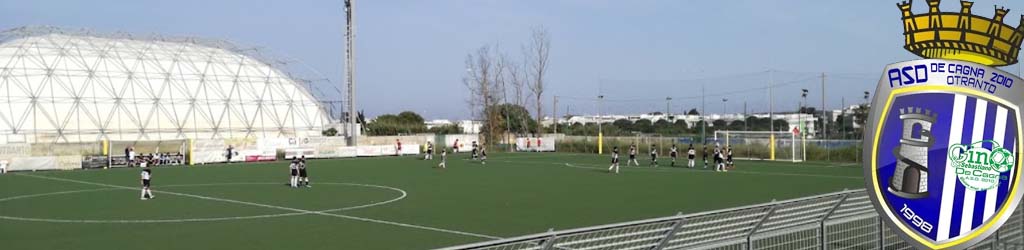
(79, 87)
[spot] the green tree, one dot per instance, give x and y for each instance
(513, 119)
(737, 125)
(719, 125)
(409, 117)
(405, 123)
(643, 126)
(446, 129)
(623, 124)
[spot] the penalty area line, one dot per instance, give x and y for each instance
(277, 207)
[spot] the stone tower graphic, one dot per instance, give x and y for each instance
(910, 179)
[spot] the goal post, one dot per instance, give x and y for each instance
(763, 145)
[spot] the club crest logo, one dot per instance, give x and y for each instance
(943, 134)
(979, 168)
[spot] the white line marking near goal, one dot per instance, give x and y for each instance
(696, 171)
(402, 196)
(280, 207)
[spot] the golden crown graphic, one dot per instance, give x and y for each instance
(961, 35)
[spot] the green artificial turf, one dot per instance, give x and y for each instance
(248, 206)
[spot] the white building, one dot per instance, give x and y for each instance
(60, 86)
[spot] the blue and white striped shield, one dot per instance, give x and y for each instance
(944, 138)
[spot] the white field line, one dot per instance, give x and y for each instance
(648, 169)
(280, 208)
(402, 196)
(585, 166)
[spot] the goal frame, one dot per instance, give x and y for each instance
(772, 136)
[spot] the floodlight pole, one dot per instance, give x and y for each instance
(771, 104)
(724, 110)
(600, 132)
(668, 109)
(350, 68)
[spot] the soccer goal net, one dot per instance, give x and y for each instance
(763, 145)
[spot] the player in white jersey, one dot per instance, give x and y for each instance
(719, 160)
(131, 157)
(691, 154)
(147, 176)
(293, 170)
(673, 153)
(615, 160)
(444, 158)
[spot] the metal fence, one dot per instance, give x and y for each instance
(841, 220)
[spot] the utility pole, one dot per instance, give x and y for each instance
(842, 113)
(350, 68)
(554, 112)
(824, 118)
(703, 113)
(745, 115)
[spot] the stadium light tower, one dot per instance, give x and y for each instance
(350, 68)
(800, 112)
(668, 109)
(724, 110)
(771, 108)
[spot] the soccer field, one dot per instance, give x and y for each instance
(377, 203)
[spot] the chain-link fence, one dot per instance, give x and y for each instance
(842, 220)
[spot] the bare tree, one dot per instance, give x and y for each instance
(517, 80)
(482, 76)
(536, 54)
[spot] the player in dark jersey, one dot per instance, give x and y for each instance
(475, 150)
(430, 151)
(303, 176)
(444, 158)
(704, 155)
(654, 155)
(615, 160)
(398, 147)
(147, 175)
(483, 155)
(632, 155)
(728, 158)
(673, 153)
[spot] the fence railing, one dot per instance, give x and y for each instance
(841, 220)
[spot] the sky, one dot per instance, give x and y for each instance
(410, 54)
